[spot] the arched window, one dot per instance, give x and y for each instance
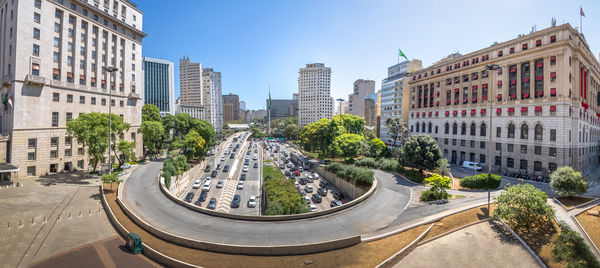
(447, 128)
(429, 128)
(523, 164)
(482, 130)
(539, 131)
(423, 125)
(418, 125)
(463, 129)
(524, 131)
(511, 130)
(454, 128)
(472, 129)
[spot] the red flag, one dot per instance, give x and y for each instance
(581, 12)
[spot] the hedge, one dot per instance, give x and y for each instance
(481, 181)
(391, 165)
(356, 175)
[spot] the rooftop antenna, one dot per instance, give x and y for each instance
(553, 22)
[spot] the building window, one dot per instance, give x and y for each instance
(524, 131)
(31, 143)
(497, 161)
(482, 158)
(121, 103)
(537, 166)
(552, 134)
(37, 17)
(498, 146)
(523, 149)
(55, 119)
(481, 145)
(31, 171)
(69, 116)
(36, 50)
(463, 129)
(523, 164)
(462, 143)
(510, 162)
(539, 130)
(511, 131)
(36, 33)
(472, 144)
(552, 151)
(31, 156)
(510, 147)
(498, 132)
(80, 151)
(472, 129)
(67, 152)
(103, 102)
(54, 154)
(447, 128)
(537, 150)
(454, 129)
(55, 97)
(112, 103)
(446, 141)
(551, 167)
(54, 141)
(69, 98)
(82, 99)
(93, 100)
(35, 69)
(80, 164)
(37, 3)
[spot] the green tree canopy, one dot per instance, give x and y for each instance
(396, 128)
(346, 145)
(377, 148)
(154, 136)
(127, 149)
(570, 247)
(291, 131)
(352, 124)
(150, 113)
(567, 182)
(523, 206)
(193, 145)
(420, 152)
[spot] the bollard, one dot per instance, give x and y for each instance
(32, 220)
(90, 212)
(8, 224)
(80, 213)
(69, 214)
(44, 219)
(20, 223)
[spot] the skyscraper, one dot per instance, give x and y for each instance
(356, 100)
(49, 77)
(231, 107)
(314, 90)
(190, 82)
(212, 98)
(159, 85)
(242, 107)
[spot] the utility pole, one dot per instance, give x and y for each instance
(111, 70)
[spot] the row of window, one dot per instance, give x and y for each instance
(511, 112)
(56, 98)
(524, 130)
(68, 166)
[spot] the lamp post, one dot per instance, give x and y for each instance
(491, 67)
(111, 70)
(340, 105)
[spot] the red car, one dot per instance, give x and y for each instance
(297, 173)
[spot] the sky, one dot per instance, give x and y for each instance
(261, 44)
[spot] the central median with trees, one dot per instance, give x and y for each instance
(281, 195)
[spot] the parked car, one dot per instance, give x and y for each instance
(308, 188)
(307, 199)
(226, 168)
(214, 174)
(313, 208)
(255, 164)
(212, 204)
(222, 158)
(287, 173)
(297, 173)
(335, 203)
(322, 191)
(243, 176)
(197, 184)
(220, 184)
(252, 201)
(302, 181)
(189, 197)
(323, 183)
(315, 175)
(245, 168)
(338, 196)
(300, 168)
(472, 166)
(207, 168)
(235, 203)
(316, 198)
(310, 178)
(240, 185)
(203, 196)
(231, 156)
(302, 192)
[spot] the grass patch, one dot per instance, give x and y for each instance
(571, 202)
(282, 196)
(591, 225)
(268, 161)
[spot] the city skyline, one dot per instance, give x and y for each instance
(278, 39)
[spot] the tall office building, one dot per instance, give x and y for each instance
(231, 107)
(392, 91)
(212, 98)
(356, 100)
(190, 82)
(314, 90)
(281, 108)
(53, 56)
(370, 110)
(159, 84)
(543, 101)
(242, 107)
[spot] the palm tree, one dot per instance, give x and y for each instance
(442, 167)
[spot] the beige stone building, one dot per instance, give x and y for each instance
(52, 55)
(544, 101)
(356, 100)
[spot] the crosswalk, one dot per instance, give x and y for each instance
(229, 188)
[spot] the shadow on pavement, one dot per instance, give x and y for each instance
(79, 178)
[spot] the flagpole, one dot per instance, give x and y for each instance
(269, 112)
(580, 19)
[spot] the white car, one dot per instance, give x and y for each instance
(126, 166)
(245, 169)
(255, 157)
(206, 186)
(472, 166)
(222, 158)
(313, 208)
(316, 176)
(226, 151)
(240, 185)
(197, 184)
(208, 179)
(252, 201)
(308, 202)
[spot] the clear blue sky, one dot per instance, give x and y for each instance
(255, 44)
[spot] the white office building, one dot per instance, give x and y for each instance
(314, 90)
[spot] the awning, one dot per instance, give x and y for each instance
(454, 112)
(553, 108)
(553, 75)
(7, 168)
(553, 91)
(474, 87)
(499, 83)
(511, 110)
(482, 111)
(70, 75)
(499, 110)
(82, 77)
(56, 71)
(447, 112)
(553, 58)
(484, 86)
(524, 109)
(463, 112)
(540, 64)
(473, 111)
(93, 79)
(538, 108)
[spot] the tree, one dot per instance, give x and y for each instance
(169, 170)
(127, 150)
(352, 124)
(153, 134)
(274, 209)
(442, 167)
(193, 145)
(437, 191)
(570, 247)
(377, 148)
(396, 128)
(346, 145)
(111, 178)
(567, 182)
(420, 152)
(150, 113)
(118, 128)
(207, 131)
(291, 131)
(523, 206)
(90, 129)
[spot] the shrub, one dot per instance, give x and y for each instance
(481, 181)
(523, 206)
(412, 175)
(432, 195)
(570, 247)
(366, 162)
(388, 165)
(282, 196)
(350, 173)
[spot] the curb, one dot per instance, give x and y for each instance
(586, 235)
(398, 256)
(397, 231)
(147, 251)
(452, 231)
(578, 206)
(537, 258)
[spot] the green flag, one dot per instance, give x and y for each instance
(269, 100)
(401, 54)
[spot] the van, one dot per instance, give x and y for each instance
(206, 186)
(472, 166)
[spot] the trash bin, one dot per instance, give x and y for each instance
(134, 243)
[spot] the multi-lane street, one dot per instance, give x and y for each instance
(228, 161)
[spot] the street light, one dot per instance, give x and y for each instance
(111, 70)
(340, 105)
(491, 67)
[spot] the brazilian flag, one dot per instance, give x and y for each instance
(401, 54)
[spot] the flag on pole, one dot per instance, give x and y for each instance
(401, 54)
(269, 106)
(581, 11)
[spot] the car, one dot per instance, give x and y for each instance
(313, 208)
(316, 176)
(323, 183)
(322, 191)
(218, 166)
(300, 168)
(226, 168)
(197, 184)
(335, 203)
(338, 196)
(206, 186)
(247, 161)
(307, 199)
(235, 203)
(255, 165)
(255, 156)
(212, 204)
(203, 196)
(237, 146)
(222, 158)
(297, 173)
(243, 176)
(230, 145)
(125, 166)
(290, 165)
(226, 152)
(231, 156)
(240, 185)
(248, 153)
(213, 174)
(324, 162)
(303, 181)
(207, 179)
(287, 173)
(207, 168)
(212, 152)
(310, 178)
(472, 166)
(245, 168)
(220, 184)
(252, 201)
(302, 192)
(296, 184)
(189, 197)
(316, 198)
(308, 188)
